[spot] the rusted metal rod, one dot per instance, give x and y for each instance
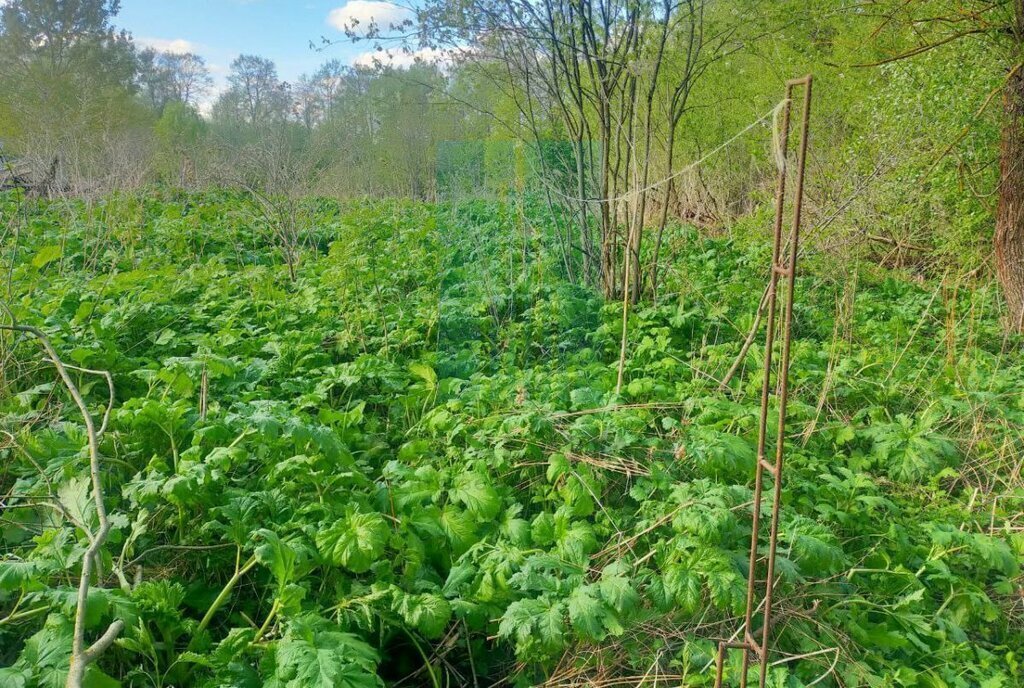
(779, 269)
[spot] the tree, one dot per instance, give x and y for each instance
(66, 82)
(178, 133)
(153, 80)
(314, 98)
(308, 104)
(53, 29)
(594, 75)
(190, 77)
(255, 95)
(1009, 239)
(936, 23)
(329, 80)
(172, 77)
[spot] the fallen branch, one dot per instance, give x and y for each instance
(747, 343)
(897, 243)
(82, 657)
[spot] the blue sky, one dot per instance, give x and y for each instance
(281, 30)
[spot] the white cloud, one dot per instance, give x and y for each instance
(401, 59)
(168, 45)
(362, 13)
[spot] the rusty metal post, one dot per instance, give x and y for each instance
(780, 268)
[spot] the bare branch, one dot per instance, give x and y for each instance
(925, 48)
(80, 656)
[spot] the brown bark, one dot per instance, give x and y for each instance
(1009, 240)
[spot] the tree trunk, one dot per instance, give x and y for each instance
(608, 238)
(663, 218)
(1009, 242)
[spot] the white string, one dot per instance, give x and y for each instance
(777, 152)
(780, 160)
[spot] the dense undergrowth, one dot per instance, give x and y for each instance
(413, 469)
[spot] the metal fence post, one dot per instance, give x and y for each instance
(781, 267)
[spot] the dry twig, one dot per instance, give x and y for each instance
(82, 656)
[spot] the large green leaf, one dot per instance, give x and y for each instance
(355, 542)
(47, 255)
(276, 555)
(315, 654)
(477, 495)
(427, 613)
(590, 615)
(15, 574)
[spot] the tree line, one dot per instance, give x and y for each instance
(85, 109)
(598, 107)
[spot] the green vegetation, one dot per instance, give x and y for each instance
(443, 366)
(407, 465)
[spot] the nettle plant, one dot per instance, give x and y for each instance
(409, 464)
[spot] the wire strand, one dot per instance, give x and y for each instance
(780, 161)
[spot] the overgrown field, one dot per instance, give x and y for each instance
(408, 466)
